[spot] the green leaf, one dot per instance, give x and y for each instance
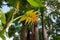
(3, 37)
(36, 3)
(1, 26)
(2, 17)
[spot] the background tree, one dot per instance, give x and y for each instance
(49, 18)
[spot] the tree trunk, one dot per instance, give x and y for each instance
(24, 33)
(33, 36)
(28, 35)
(35, 33)
(44, 33)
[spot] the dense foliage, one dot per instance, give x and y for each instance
(30, 19)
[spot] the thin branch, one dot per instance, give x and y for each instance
(14, 20)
